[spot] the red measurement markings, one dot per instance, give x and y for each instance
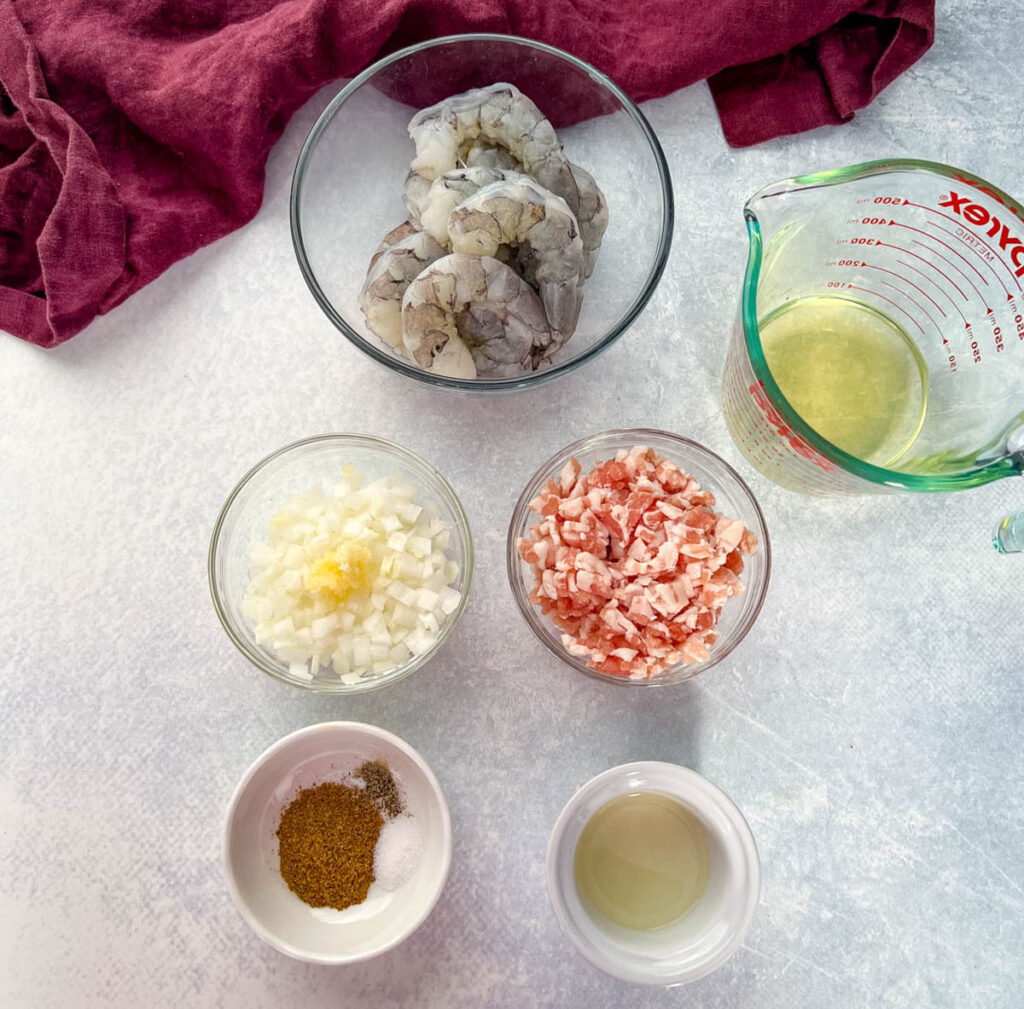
(928, 262)
(899, 276)
(951, 264)
(997, 333)
(920, 308)
(921, 273)
(950, 356)
(867, 290)
(932, 210)
(795, 441)
(975, 349)
(964, 241)
(897, 224)
(1018, 318)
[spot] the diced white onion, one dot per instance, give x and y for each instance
(376, 628)
(427, 600)
(449, 599)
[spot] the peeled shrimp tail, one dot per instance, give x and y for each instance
(465, 316)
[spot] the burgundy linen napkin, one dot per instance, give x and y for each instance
(133, 132)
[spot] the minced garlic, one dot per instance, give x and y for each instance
(339, 573)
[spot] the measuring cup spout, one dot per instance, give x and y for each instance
(759, 205)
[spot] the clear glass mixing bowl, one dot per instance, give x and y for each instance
(347, 189)
(732, 498)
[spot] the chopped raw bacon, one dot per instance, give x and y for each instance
(633, 563)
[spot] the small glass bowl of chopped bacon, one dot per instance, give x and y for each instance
(639, 557)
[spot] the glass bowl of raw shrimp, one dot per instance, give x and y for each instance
(732, 498)
(350, 202)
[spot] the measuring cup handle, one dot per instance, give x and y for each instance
(1008, 536)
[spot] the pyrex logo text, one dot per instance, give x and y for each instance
(978, 215)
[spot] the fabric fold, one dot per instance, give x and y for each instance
(62, 223)
(134, 132)
(825, 78)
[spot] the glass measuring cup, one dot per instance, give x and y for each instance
(926, 257)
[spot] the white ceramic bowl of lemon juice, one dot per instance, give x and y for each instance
(711, 931)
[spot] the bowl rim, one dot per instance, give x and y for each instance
(529, 612)
(486, 384)
(692, 787)
(364, 729)
(326, 687)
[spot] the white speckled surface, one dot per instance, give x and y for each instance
(869, 727)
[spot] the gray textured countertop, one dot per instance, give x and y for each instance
(869, 727)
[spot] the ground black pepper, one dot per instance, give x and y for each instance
(381, 787)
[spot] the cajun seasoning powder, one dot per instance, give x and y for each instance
(326, 841)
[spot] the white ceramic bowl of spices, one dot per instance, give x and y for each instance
(337, 843)
(653, 873)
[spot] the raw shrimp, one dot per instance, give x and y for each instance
(465, 316)
(393, 237)
(390, 273)
(499, 116)
(447, 191)
(414, 193)
(543, 236)
(485, 156)
(592, 214)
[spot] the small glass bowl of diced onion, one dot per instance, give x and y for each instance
(340, 563)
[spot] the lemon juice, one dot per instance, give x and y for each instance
(642, 861)
(850, 372)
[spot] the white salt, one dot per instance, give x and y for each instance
(398, 852)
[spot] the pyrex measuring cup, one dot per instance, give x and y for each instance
(932, 256)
